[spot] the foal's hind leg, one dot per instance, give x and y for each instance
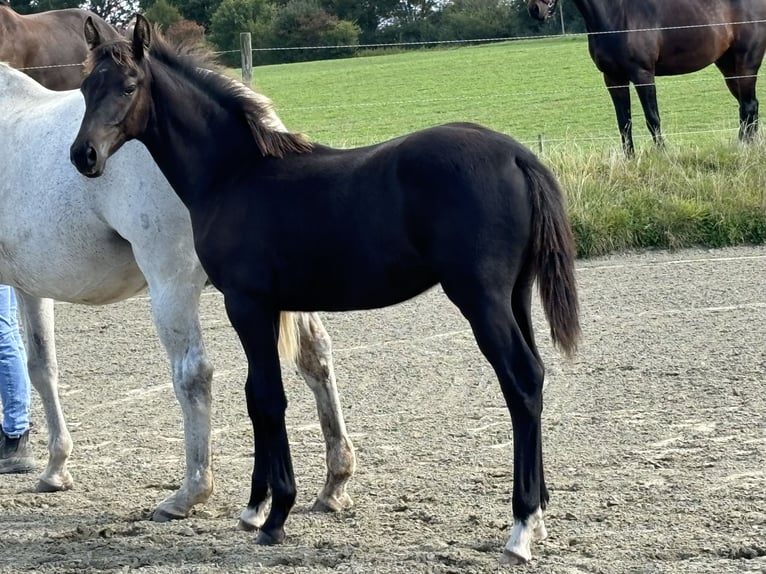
(520, 373)
(37, 318)
(521, 304)
(316, 366)
(175, 308)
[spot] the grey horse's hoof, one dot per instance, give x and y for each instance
(45, 486)
(334, 504)
(161, 515)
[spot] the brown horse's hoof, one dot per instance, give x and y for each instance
(270, 538)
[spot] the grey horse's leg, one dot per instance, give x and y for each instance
(175, 309)
(315, 365)
(37, 319)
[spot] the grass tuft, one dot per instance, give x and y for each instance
(710, 195)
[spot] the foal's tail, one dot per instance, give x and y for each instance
(553, 252)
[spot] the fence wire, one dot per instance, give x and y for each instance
(566, 93)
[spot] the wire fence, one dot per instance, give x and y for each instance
(577, 95)
(499, 39)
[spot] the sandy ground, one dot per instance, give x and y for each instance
(655, 438)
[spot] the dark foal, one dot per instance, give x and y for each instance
(671, 38)
(281, 223)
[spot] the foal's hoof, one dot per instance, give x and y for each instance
(270, 538)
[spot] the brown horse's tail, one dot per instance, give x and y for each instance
(553, 251)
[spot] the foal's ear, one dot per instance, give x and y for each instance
(92, 35)
(142, 36)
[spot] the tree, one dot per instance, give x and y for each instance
(473, 19)
(367, 14)
(163, 13)
(414, 21)
(117, 12)
(200, 11)
(34, 6)
(236, 16)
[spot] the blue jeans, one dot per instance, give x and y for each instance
(15, 388)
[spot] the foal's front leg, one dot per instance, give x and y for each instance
(316, 366)
(257, 325)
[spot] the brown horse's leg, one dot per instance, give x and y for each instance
(647, 94)
(740, 72)
(619, 91)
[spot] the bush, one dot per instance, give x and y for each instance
(305, 23)
(184, 31)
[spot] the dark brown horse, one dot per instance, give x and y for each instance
(48, 46)
(634, 41)
(281, 223)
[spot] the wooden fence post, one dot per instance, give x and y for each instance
(246, 49)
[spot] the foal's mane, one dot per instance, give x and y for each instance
(198, 65)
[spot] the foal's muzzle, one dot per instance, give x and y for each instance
(86, 158)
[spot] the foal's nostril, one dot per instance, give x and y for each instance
(91, 155)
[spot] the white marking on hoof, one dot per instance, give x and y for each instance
(253, 518)
(518, 549)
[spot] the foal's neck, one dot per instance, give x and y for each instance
(193, 138)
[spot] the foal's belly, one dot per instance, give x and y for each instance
(356, 292)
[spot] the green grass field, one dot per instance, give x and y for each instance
(704, 189)
(523, 88)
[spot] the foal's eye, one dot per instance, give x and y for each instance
(129, 89)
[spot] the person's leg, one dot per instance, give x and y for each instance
(15, 390)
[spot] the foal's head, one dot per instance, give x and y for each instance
(122, 100)
(117, 96)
